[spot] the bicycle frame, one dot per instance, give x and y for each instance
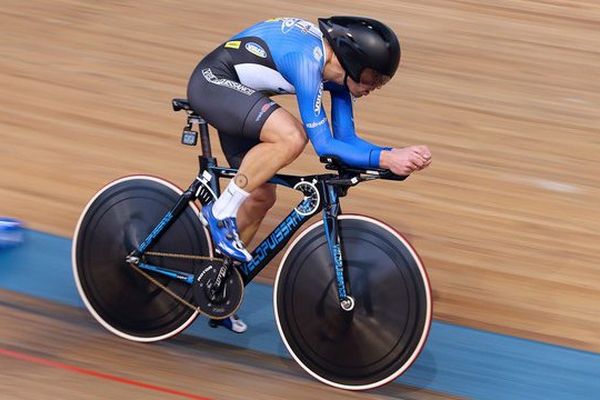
(325, 187)
(171, 275)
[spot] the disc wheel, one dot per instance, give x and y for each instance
(114, 223)
(384, 333)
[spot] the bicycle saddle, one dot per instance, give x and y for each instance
(181, 104)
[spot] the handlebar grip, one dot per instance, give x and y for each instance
(334, 163)
(389, 175)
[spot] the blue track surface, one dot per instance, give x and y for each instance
(456, 360)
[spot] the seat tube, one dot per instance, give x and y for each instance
(207, 161)
(204, 138)
(331, 210)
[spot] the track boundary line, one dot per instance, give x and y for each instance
(72, 368)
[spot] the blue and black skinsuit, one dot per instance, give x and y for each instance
(231, 89)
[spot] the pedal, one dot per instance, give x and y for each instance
(233, 323)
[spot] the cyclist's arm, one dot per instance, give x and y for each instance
(342, 118)
(305, 75)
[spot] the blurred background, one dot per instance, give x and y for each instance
(506, 94)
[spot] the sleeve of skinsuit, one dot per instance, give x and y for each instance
(305, 75)
(342, 120)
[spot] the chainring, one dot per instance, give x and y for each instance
(224, 303)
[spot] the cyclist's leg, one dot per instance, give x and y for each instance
(253, 210)
(246, 114)
(250, 214)
(282, 139)
(256, 206)
(238, 111)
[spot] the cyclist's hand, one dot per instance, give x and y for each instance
(406, 160)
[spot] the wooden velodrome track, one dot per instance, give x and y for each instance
(63, 354)
(505, 93)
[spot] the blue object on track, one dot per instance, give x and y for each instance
(12, 232)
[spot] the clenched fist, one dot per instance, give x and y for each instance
(406, 160)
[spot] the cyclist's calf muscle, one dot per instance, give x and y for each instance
(254, 209)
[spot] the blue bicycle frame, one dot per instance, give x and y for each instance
(322, 194)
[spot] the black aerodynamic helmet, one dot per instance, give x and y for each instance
(360, 43)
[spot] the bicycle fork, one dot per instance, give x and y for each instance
(331, 210)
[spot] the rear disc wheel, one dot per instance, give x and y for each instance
(113, 224)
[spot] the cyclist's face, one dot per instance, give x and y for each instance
(369, 81)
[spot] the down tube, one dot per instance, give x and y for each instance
(268, 248)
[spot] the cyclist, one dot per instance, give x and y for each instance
(231, 88)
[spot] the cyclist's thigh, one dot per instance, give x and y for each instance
(231, 107)
(281, 124)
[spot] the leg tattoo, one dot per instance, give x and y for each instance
(241, 180)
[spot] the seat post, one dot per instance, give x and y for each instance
(204, 138)
(194, 118)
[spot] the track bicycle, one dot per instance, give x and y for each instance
(351, 297)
